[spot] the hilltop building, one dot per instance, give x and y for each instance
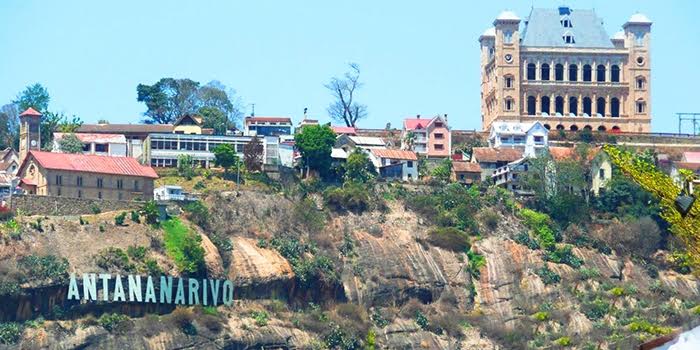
(528, 136)
(558, 66)
(429, 137)
(100, 144)
(267, 126)
(9, 161)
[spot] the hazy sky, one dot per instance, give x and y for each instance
(417, 57)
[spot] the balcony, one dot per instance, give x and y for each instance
(575, 84)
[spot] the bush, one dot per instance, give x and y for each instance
(564, 341)
(307, 269)
(114, 259)
(184, 247)
(541, 316)
(135, 217)
(525, 239)
(136, 252)
(260, 317)
(306, 214)
(42, 268)
(449, 238)
(353, 197)
(150, 212)
(9, 288)
(540, 224)
(198, 213)
(548, 276)
(422, 320)
(640, 325)
(490, 219)
(95, 209)
(10, 333)
(680, 262)
(115, 323)
(182, 318)
(595, 309)
(588, 273)
(476, 262)
(119, 219)
(564, 255)
(640, 237)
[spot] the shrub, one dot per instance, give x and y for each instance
(184, 247)
(540, 224)
(422, 320)
(490, 219)
(308, 216)
(150, 212)
(476, 262)
(564, 255)
(525, 239)
(82, 221)
(449, 238)
(338, 338)
(198, 213)
(152, 267)
(136, 252)
(563, 341)
(260, 317)
(548, 276)
(640, 325)
(680, 262)
(618, 291)
(588, 273)
(112, 259)
(115, 323)
(14, 231)
(381, 322)
(595, 309)
(95, 209)
(135, 217)
(119, 219)
(10, 333)
(41, 268)
(640, 237)
(102, 228)
(541, 316)
(353, 197)
(9, 288)
(36, 225)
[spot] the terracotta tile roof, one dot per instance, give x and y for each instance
(688, 165)
(415, 123)
(88, 163)
(466, 167)
(691, 157)
(395, 154)
(344, 130)
(96, 137)
(269, 119)
(491, 155)
(125, 128)
(30, 112)
(6, 178)
(561, 153)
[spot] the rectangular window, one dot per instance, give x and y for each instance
(640, 107)
(99, 195)
(438, 124)
(509, 82)
(439, 136)
(120, 184)
(101, 148)
(136, 185)
(99, 182)
(80, 194)
(439, 147)
(58, 191)
(409, 164)
(86, 147)
(508, 37)
(601, 174)
(59, 180)
(539, 139)
(79, 181)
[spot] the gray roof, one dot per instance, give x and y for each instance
(544, 29)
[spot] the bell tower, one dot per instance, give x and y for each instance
(29, 132)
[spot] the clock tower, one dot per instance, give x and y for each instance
(29, 132)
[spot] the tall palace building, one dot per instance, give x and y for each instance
(560, 68)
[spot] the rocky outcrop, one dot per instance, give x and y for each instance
(212, 258)
(258, 272)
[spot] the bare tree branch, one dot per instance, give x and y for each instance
(344, 108)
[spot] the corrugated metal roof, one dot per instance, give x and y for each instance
(543, 28)
(691, 157)
(88, 163)
(269, 119)
(94, 137)
(125, 128)
(466, 167)
(367, 141)
(487, 154)
(395, 154)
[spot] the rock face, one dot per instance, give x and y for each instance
(256, 271)
(212, 258)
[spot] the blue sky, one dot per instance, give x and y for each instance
(417, 57)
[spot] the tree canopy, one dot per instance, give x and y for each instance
(359, 167)
(225, 156)
(345, 108)
(35, 96)
(70, 144)
(170, 98)
(215, 119)
(315, 143)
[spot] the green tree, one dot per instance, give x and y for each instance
(409, 140)
(35, 96)
(70, 143)
(253, 154)
(69, 125)
(49, 125)
(315, 143)
(443, 171)
(185, 166)
(9, 126)
(225, 156)
(359, 167)
(216, 119)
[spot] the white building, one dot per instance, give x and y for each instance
(162, 150)
(528, 136)
(169, 193)
(267, 126)
(348, 142)
(113, 145)
(396, 164)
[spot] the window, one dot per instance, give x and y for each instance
(80, 194)
(559, 105)
(99, 195)
(99, 183)
(120, 184)
(558, 72)
(641, 107)
(101, 147)
(615, 74)
(438, 124)
(539, 139)
(136, 185)
(573, 72)
(568, 38)
(79, 181)
(509, 104)
(531, 70)
(86, 147)
(508, 37)
(409, 164)
(58, 191)
(531, 105)
(639, 38)
(587, 106)
(544, 105)
(600, 106)
(59, 180)
(509, 82)
(573, 105)
(615, 107)
(439, 147)
(587, 73)
(566, 22)
(601, 173)
(544, 72)
(641, 83)
(439, 136)
(600, 73)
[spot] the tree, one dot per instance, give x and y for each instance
(358, 167)
(49, 124)
(409, 140)
(344, 108)
(69, 126)
(70, 143)
(169, 98)
(216, 119)
(443, 171)
(35, 96)
(253, 154)
(225, 156)
(185, 166)
(315, 143)
(9, 126)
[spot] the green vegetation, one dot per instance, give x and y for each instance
(449, 206)
(185, 166)
(150, 212)
(358, 167)
(114, 323)
(114, 259)
(422, 320)
(443, 171)
(596, 309)
(306, 214)
(564, 255)
(10, 333)
(42, 268)
(183, 246)
(119, 219)
(70, 143)
(260, 317)
(308, 270)
(548, 276)
(541, 316)
(563, 341)
(476, 262)
(640, 325)
(226, 157)
(135, 217)
(540, 226)
(352, 196)
(315, 143)
(253, 153)
(449, 238)
(198, 213)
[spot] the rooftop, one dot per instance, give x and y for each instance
(507, 16)
(125, 128)
(269, 119)
(94, 137)
(367, 140)
(339, 130)
(516, 128)
(466, 167)
(89, 163)
(492, 155)
(395, 154)
(639, 18)
(30, 112)
(545, 28)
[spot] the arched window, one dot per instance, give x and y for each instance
(588, 127)
(600, 76)
(587, 106)
(544, 105)
(559, 105)
(616, 129)
(508, 37)
(641, 107)
(558, 72)
(531, 105)
(509, 104)
(600, 107)
(587, 73)
(573, 128)
(573, 106)
(602, 128)
(615, 107)
(547, 126)
(560, 127)
(531, 71)
(508, 81)
(544, 72)
(641, 83)
(615, 74)
(573, 72)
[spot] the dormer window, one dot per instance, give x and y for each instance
(566, 22)
(569, 38)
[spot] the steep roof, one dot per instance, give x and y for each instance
(395, 154)
(30, 112)
(420, 123)
(543, 28)
(515, 128)
(197, 119)
(89, 163)
(339, 130)
(125, 128)
(94, 137)
(491, 155)
(466, 167)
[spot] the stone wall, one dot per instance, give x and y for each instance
(51, 205)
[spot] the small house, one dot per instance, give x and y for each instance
(395, 164)
(466, 172)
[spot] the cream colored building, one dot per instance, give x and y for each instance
(559, 67)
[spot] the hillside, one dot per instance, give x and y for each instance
(432, 267)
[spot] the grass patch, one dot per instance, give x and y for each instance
(183, 246)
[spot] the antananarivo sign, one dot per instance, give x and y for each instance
(188, 291)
